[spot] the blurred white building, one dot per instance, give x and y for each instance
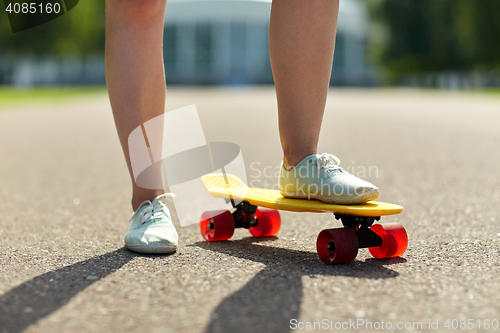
(209, 42)
(226, 42)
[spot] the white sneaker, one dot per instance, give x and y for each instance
(151, 229)
(320, 177)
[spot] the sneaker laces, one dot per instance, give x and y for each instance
(152, 211)
(328, 161)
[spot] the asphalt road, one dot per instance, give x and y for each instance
(64, 209)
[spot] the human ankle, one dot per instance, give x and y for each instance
(290, 161)
(139, 197)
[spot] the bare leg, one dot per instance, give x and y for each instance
(134, 70)
(301, 43)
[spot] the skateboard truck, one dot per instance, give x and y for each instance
(244, 215)
(361, 226)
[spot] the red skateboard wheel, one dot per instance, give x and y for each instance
(217, 225)
(269, 222)
(336, 246)
(394, 240)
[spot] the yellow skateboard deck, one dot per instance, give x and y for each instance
(231, 187)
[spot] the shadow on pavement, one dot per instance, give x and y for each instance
(387, 261)
(35, 299)
(273, 296)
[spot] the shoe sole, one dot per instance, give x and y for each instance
(361, 199)
(152, 249)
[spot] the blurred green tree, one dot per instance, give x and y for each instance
(426, 36)
(78, 33)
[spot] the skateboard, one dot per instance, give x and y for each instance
(257, 210)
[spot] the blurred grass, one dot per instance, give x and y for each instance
(488, 90)
(16, 96)
(10, 96)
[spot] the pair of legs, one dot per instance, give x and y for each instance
(301, 43)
